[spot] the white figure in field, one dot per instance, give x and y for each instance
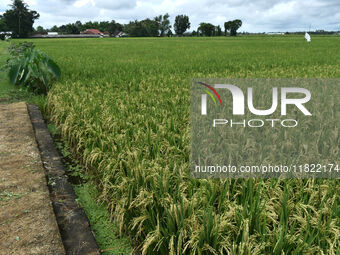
(307, 37)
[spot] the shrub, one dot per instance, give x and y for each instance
(31, 68)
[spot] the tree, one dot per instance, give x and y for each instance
(218, 31)
(88, 25)
(206, 29)
(232, 27)
(133, 28)
(19, 19)
(40, 29)
(62, 29)
(164, 23)
(104, 26)
(72, 29)
(3, 25)
(95, 25)
(181, 24)
(169, 34)
(236, 24)
(145, 27)
(79, 25)
(227, 27)
(114, 28)
(54, 29)
(151, 27)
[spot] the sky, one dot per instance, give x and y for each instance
(256, 15)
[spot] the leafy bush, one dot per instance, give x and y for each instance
(18, 50)
(31, 68)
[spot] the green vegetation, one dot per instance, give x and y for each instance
(5, 195)
(31, 68)
(5, 86)
(181, 24)
(122, 105)
(105, 231)
(232, 27)
(10, 93)
(19, 19)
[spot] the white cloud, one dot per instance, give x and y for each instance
(82, 3)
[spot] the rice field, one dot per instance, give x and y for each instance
(123, 107)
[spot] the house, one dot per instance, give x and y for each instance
(121, 34)
(5, 35)
(52, 33)
(93, 32)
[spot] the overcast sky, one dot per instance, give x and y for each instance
(257, 15)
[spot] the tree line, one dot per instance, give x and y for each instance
(20, 19)
(208, 29)
(159, 26)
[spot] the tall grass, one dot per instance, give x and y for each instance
(123, 106)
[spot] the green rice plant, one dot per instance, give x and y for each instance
(123, 107)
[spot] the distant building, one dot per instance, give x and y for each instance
(5, 35)
(121, 34)
(275, 33)
(52, 33)
(92, 32)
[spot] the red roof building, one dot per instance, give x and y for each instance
(92, 32)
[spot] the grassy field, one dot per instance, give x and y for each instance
(123, 107)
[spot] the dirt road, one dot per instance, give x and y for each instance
(27, 221)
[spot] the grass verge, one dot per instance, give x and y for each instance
(104, 229)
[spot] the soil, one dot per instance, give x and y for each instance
(27, 221)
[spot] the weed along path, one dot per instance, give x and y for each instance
(27, 222)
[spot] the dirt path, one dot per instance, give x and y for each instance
(27, 221)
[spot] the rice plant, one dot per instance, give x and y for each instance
(123, 107)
